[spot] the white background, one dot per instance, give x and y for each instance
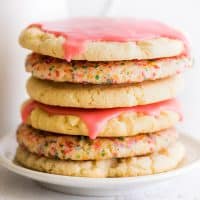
(16, 14)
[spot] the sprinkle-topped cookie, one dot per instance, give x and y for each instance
(112, 72)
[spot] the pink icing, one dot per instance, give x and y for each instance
(78, 31)
(95, 119)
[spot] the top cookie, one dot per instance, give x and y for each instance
(104, 39)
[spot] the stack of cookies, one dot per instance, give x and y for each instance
(102, 97)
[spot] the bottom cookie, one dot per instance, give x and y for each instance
(121, 167)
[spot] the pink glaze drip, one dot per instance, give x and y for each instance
(78, 31)
(95, 119)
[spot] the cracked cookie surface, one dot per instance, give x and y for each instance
(103, 96)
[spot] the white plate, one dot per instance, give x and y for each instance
(97, 186)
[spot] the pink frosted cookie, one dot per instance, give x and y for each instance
(104, 39)
(94, 123)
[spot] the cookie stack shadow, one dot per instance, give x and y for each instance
(101, 118)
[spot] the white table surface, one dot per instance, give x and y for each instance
(15, 187)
